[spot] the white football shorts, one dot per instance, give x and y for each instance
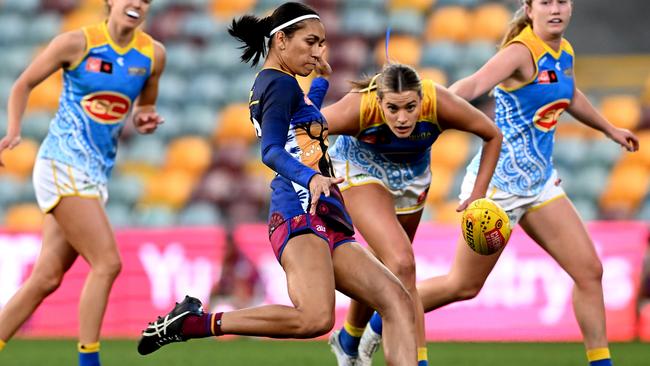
(54, 180)
(514, 205)
(408, 200)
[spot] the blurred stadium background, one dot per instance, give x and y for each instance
(202, 167)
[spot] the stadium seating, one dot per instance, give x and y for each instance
(205, 88)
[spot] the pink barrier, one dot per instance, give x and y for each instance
(527, 297)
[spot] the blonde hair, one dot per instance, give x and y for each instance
(394, 78)
(518, 23)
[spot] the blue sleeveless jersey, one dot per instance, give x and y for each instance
(527, 117)
(98, 94)
(376, 149)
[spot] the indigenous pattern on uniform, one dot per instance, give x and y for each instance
(527, 117)
(376, 149)
(294, 144)
(98, 93)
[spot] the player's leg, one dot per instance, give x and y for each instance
(464, 281)
(88, 231)
(371, 338)
(570, 245)
(373, 211)
(54, 260)
(307, 262)
(362, 277)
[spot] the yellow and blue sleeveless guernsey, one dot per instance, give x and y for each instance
(98, 93)
(376, 149)
(528, 115)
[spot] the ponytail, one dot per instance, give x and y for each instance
(251, 31)
(518, 23)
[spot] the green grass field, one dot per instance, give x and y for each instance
(285, 353)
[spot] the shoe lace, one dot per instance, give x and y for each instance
(161, 325)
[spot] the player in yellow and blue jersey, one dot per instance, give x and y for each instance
(387, 126)
(310, 231)
(533, 80)
(110, 71)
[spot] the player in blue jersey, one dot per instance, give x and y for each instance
(110, 71)
(309, 228)
(533, 80)
(388, 124)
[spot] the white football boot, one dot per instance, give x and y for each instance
(370, 342)
(342, 358)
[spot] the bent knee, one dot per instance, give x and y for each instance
(404, 269)
(315, 325)
(467, 290)
(590, 272)
(47, 283)
(108, 268)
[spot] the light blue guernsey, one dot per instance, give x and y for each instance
(528, 115)
(98, 94)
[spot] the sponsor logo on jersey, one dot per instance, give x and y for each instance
(106, 107)
(137, 71)
(547, 116)
(547, 77)
(94, 64)
(99, 50)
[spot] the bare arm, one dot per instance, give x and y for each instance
(145, 117)
(456, 113)
(62, 51)
(343, 116)
(513, 63)
(585, 112)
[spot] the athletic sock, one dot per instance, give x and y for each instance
(349, 338)
(423, 356)
(2, 344)
(201, 326)
(88, 354)
(599, 357)
(376, 323)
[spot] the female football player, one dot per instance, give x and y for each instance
(108, 68)
(534, 80)
(388, 124)
(309, 228)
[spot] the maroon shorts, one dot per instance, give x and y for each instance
(305, 224)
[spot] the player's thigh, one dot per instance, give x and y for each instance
(56, 255)
(87, 229)
(373, 212)
(362, 277)
(558, 229)
(307, 262)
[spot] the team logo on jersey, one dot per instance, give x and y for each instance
(106, 107)
(94, 64)
(547, 77)
(547, 116)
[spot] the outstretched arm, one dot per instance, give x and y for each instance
(514, 61)
(454, 112)
(343, 117)
(62, 51)
(585, 112)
